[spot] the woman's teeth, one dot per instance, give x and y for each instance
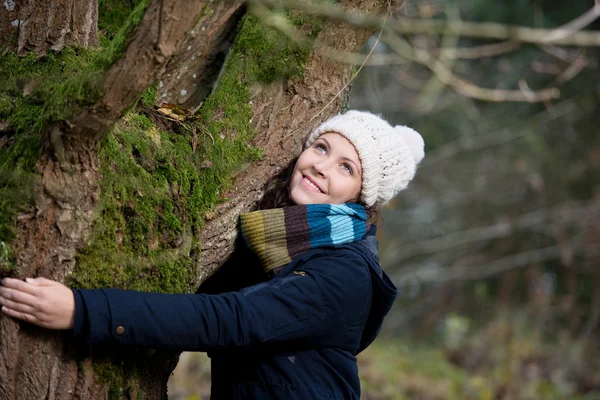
(312, 185)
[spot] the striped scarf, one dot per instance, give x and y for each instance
(280, 234)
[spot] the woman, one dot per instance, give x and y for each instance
(295, 336)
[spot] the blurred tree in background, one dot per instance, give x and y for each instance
(496, 245)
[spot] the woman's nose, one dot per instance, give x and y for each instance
(320, 168)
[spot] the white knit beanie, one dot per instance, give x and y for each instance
(389, 155)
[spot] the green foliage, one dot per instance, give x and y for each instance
(148, 98)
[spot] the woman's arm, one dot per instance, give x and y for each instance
(316, 306)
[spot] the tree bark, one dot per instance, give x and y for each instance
(191, 74)
(35, 363)
(48, 25)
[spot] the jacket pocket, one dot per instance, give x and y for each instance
(297, 304)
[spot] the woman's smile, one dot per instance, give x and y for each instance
(311, 185)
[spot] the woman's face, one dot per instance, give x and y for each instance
(327, 172)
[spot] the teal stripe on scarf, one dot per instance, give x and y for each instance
(343, 223)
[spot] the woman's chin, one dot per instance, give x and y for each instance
(303, 198)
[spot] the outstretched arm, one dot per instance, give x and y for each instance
(323, 302)
(41, 301)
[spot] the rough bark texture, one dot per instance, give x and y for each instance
(191, 73)
(41, 26)
(283, 115)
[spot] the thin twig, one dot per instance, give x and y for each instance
(575, 25)
(487, 50)
(159, 34)
(489, 30)
(461, 85)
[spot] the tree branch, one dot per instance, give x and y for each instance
(542, 217)
(142, 64)
(561, 36)
(462, 86)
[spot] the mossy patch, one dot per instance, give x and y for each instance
(156, 187)
(273, 55)
(85, 88)
(112, 15)
(35, 91)
(26, 84)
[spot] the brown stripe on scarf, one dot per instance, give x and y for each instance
(298, 230)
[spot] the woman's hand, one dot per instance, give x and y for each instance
(42, 302)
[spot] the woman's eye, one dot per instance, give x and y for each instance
(321, 148)
(347, 168)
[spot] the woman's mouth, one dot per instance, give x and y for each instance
(310, 184)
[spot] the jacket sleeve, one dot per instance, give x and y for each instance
(326, 296)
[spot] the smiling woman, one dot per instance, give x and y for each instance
(323, 294)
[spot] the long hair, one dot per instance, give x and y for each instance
(277, 189)
(277, 192)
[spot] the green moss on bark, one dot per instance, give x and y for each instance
(26, 84)
(158, 185)
(112, 14)
(272, 55)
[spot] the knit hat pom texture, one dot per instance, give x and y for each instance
(389, 155)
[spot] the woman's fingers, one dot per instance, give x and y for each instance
(18, 296)
(20, 315)
(19, 285)
(41, 282)
(16, 306)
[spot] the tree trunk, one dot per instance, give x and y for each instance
(27, 25)
(51, 238)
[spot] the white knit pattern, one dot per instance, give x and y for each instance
(389, 155)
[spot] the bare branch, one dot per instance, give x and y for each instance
(575, 25)
(474, 272)
(545, 216)
(496, 138)
(462, 86)
(470, 272)
(559, 36)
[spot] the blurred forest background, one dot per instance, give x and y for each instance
(495, 246)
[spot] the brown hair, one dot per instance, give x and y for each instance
(277, 192)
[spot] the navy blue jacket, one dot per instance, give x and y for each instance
(293, 337)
